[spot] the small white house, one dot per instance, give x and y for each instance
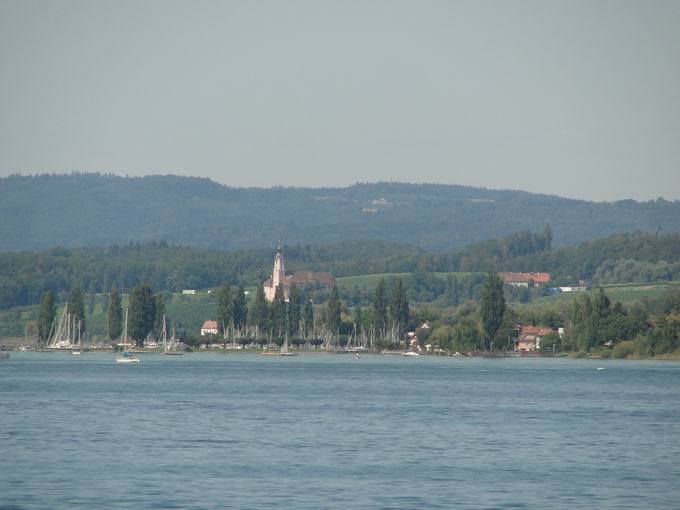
(189, 292)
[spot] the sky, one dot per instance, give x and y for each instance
(575, 98)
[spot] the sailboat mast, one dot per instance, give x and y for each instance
(125, 333)
(165, 336)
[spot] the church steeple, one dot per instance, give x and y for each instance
(279, 274)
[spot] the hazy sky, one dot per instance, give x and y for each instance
(576, 98)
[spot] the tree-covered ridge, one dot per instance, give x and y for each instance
(24, 276)
(42, 211)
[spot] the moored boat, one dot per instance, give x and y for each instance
(127, 357)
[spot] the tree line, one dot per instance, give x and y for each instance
(621, 258)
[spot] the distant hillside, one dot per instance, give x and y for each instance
(82, 210)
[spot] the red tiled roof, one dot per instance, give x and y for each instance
(209, 325)
(534, 330)
(525, 277)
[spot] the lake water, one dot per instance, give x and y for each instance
(327, 431)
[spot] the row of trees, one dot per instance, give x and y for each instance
(592, 324)
(145, 313)
(25, 276)
(290, 313)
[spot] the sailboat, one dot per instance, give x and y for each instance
(284, 349)
(169, 347)
(127, 357)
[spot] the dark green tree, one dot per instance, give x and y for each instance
(115, 315)
(452, 293)
(259, 311)
(294, 312)
(548, 236)
(225, 307)
(46, 316)
(492, 307)
(358, 318)
(399, 309)
(142, 314)
(603, 305)
(334, 310)
(105, 299)
(91, 298)
(76, 306)
(240, 308)
(309, 317)
(380, 307)
(159, 313)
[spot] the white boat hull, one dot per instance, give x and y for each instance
(127, 360)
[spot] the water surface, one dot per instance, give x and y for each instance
(327, 431)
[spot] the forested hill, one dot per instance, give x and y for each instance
(99, 210)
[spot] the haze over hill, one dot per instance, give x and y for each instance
(98, 210)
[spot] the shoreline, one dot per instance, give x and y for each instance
(499, 355)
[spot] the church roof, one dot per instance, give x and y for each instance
(311, 278)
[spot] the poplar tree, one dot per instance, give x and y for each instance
(46, 316)
(294, 311)
(334, 308)
(92, 296)
(452, 292)
(115, 315)
(380, 307)
(492, 307)
(259, 311)
(358, 318)
(225, 307)
(76, 306)
(239, 308)
(142, 314)
(159, 312)
(309, 317)
(399, 309)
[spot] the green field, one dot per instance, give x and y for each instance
(370, 281)
(367, 281)
(625, 293)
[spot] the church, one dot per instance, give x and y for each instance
(303, 279)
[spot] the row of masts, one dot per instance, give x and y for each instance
(358, 339)
(65, 331)
(169, 344)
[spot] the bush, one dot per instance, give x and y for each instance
(602, 352)
(623, 349)
(643, 346)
